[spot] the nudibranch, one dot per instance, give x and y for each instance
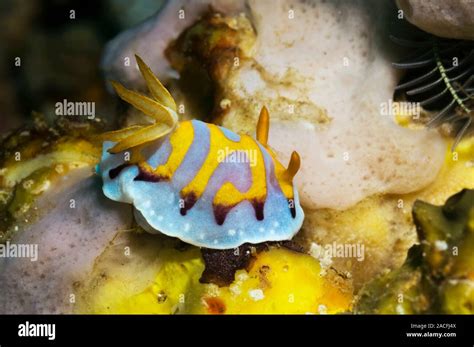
(196, 181)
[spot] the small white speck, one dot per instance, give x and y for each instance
(225, 103)
(276, 224)
(261, 229)
(272, 232)
(256, 294)
(235, 289)
(160, 218)
(243, 276)
(216, 242)
(187, 226)
(213, 290)
(147, 204)
(201, 236)
(241, 233)
(322, 309)
(59, 168)
(152, 213)
(324, 257)
(315, 250)
(231, 232)
(441, 245)
(400, 310)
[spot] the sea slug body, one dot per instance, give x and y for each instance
(199, 182)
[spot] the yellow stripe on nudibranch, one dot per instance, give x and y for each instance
(228, 195)
(180, 140)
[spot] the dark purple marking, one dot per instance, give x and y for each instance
(221, 211)
(291, 205)
(258, 207)
(113, 173)
(144, 175)
(188, 202)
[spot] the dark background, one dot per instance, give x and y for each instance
(59, 56)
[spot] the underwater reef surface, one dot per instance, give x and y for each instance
(437, 276)
(452, 19)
